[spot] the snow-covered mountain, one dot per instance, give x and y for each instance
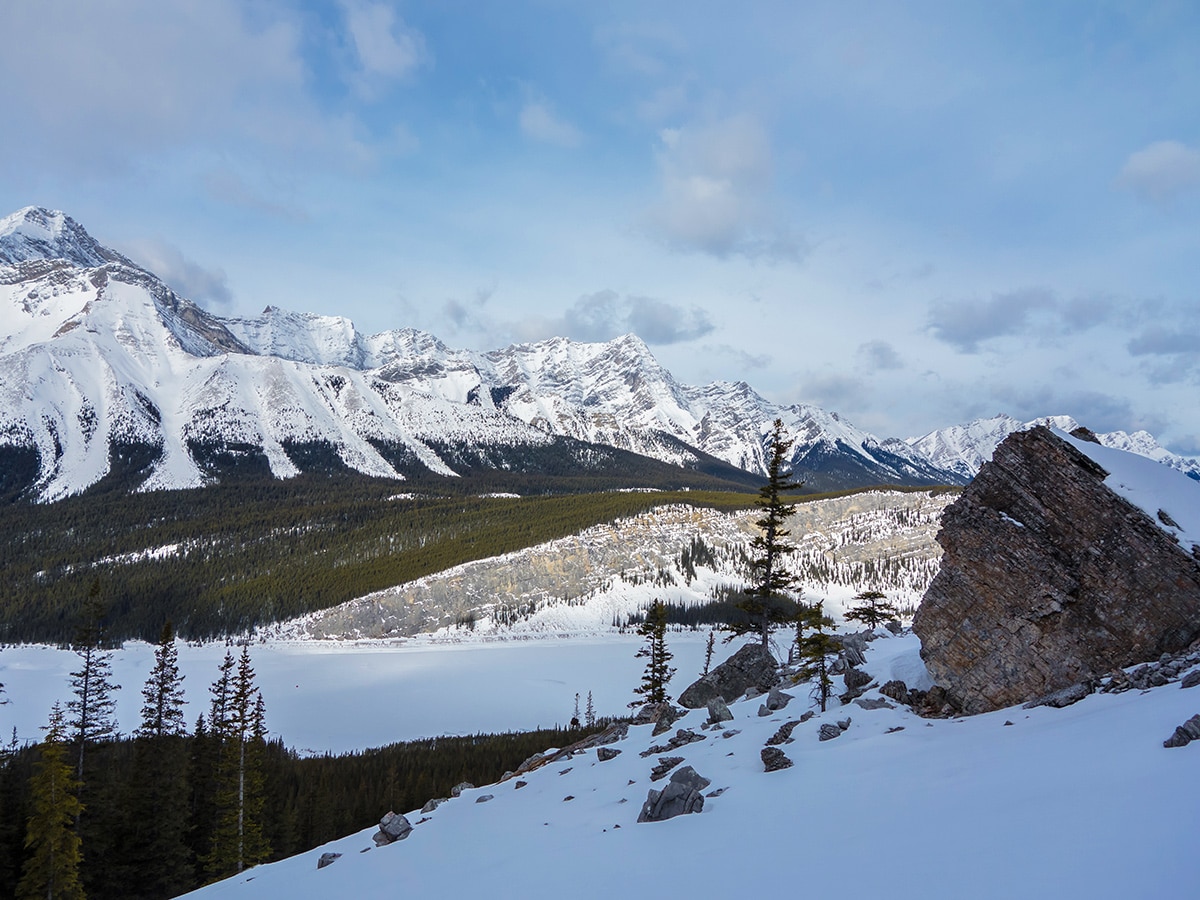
(103, 366)
(962, 449)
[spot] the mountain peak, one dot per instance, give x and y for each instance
(35, 233)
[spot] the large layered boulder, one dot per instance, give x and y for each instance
(1048, 579)
(751, 667)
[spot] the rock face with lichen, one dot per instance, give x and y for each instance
(1049, 578)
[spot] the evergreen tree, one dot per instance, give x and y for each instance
(590, 714)
(766, 602)
(93, 710)
(873, 610)
(653, 688)
(708, 651)
(239, 726)
(51, 872)
(155, 829)
(816, 648)
(162, 709)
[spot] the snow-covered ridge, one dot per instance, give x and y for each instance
(963, 449)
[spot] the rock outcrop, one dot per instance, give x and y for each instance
(1049, 579)
(680, 797)
(751, 667)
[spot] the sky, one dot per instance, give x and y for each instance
(910, 213)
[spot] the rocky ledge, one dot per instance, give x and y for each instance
(1048, 579)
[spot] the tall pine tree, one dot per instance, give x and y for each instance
(93, 709)
(51, 871)
(238, 723)
(767, 602)
(155, 855)
(653, 688)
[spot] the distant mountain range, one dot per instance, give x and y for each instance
(107, 373)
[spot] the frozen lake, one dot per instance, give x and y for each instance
(324, 696)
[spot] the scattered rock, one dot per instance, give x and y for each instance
(1191, 680)
(604, 754)
(431, 805)
(1065, 697)
(775, 759)
(784, 734)
(856, 678)
(681, 738)
(844, 723)
(731, 732)
(457, 790)
(873, 703)
(777, 699)
(897, 690)
(392, 827)
(519, 785)
(717, 793)
(680, 796)
(484, 798)
(665, 765)
(828, 732)
(1083, 583)
(568, 797)
(328, 859)
(718, 711)
(806, 715)
(894, 626)
(896, 728)
(566, 770)
(751, 667)
(1185, 733)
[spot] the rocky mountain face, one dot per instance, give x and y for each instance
(105, 371)
(1050, 576)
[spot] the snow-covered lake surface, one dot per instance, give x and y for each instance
(330, 696)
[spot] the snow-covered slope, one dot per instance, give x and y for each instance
(962, 449)
(1079, 802)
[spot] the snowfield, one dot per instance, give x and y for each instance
(1075, 802)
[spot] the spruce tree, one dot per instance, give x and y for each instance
(767, 602)
(708, 652)
(238, 723)
(51, 871)
(816, 649)
(873, 610)
(93, 709)
(156, 830)
(653, 688)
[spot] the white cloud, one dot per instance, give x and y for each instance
(1161, 171)
(385, 47)
(207, 286)
(715, 185)
(539, 121)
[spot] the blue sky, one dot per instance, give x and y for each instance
(911, 213)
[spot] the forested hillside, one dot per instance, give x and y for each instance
(228, 558)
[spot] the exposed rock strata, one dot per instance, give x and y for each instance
(1049, 579)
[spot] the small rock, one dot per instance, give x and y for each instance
(897, 690)
(457, 790)
(392, 827)
(894, 626)
(828, 732)
(604, 754)
(873, 703)
(717, 793)
(718, 711)
(894, 729)
(763, 710)
(731, 732)
(519, 785)
(680, 796)
(327, 859)
(1185, 733)
(1007, 722)
(774, 759)
(784, 734)
(777, 699)
(856, 678)
(484, 798)
(1065, 697)
(843, 724)
(566, 770)
(806, 715)
(568, 797)
(665, 765)
(1191, 680)
(431, 805)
